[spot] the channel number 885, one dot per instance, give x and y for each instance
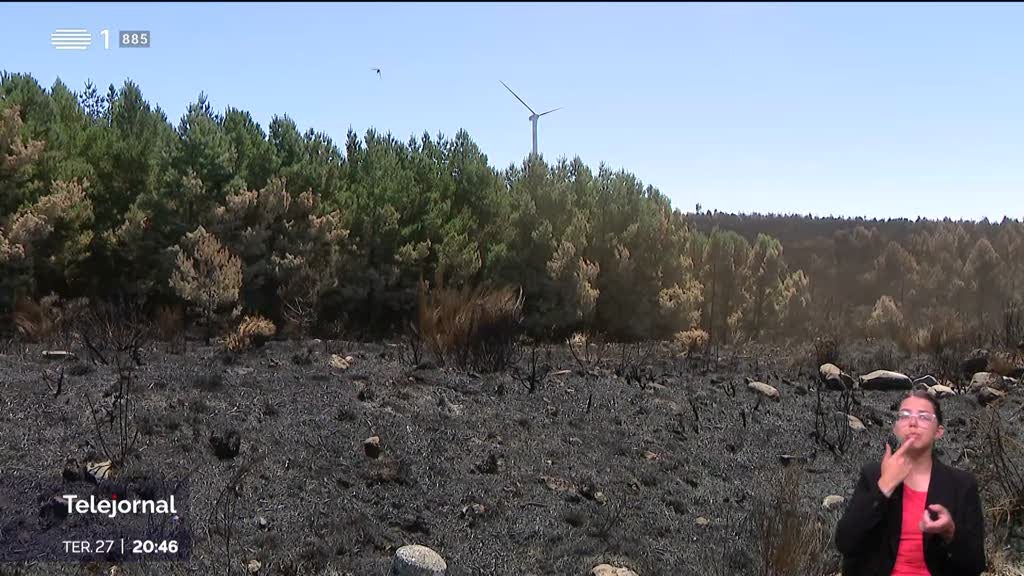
(135, 39)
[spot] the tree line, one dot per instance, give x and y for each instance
(101, 194)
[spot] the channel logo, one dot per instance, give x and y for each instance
(71, 39)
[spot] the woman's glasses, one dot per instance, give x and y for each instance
(906, 415)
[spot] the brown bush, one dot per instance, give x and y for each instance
(827, 350)
(1013, 324)
(170, 323)
(253, 332)
(999, 466)
(49, 319)
(692, 341)
(945, 342)
(206, 274)
(941, 336)
(471, 327)
(886, 320)
(789, 540)
(1004, 364)
(35, 321)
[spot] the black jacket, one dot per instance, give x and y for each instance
(868, 534)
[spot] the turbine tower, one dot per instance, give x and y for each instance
(533, 115)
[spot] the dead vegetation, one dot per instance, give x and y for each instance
(471, 327)
(692, 342)
(535, 374)
(790, 539)
(827, 351)
(1000, 471)
(252, 332)
(47, 320)
(587, 349)
(170, 326)
(33, 320)
(831, 427)
(114, 334)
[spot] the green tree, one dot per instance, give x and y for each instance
(725, 256)
(255, 159)
(291, 248)
(763, 277)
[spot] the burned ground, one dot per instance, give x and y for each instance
(657, 469)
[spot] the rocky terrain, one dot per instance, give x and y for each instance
(324, 458)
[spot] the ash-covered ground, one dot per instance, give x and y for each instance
(659, 469)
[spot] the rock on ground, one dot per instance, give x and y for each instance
(416, 560)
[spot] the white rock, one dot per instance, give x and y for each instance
(340, 363)
(656, 388)
(832, 502)
(609, 570)
(762, 388)
(834, 378)
(100, 470)
(416, 560)
(940, 391)
(886, 380)
(829, 371)
(371, 446)
(990, 380)
(855, 424)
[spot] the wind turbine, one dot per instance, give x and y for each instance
(533, 115)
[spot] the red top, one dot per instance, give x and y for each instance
(910, 557)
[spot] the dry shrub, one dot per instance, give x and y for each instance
(1003, 364)
(586, 348)
(35, 321)
(50, 320)
(170, 322)
(945, 342)
(827, 350)
(253, 332)
(941, 336)
(788, 539)
(885, 356)
(1013, 324)
(471, 327)
(691, 341)
(1000, 469)
(1001, 560)
(886, 320)
(794, 359)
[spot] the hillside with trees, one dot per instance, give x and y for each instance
(101, 194)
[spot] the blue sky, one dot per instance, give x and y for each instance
(877, 110)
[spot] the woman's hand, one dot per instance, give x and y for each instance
(895, 468)
(942, 524)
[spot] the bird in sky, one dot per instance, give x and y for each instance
(377, 70)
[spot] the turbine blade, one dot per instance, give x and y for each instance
(518, 98)
(550, 111)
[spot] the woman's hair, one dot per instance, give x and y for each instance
(924, 395)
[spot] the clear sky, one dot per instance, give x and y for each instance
(873, 110)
